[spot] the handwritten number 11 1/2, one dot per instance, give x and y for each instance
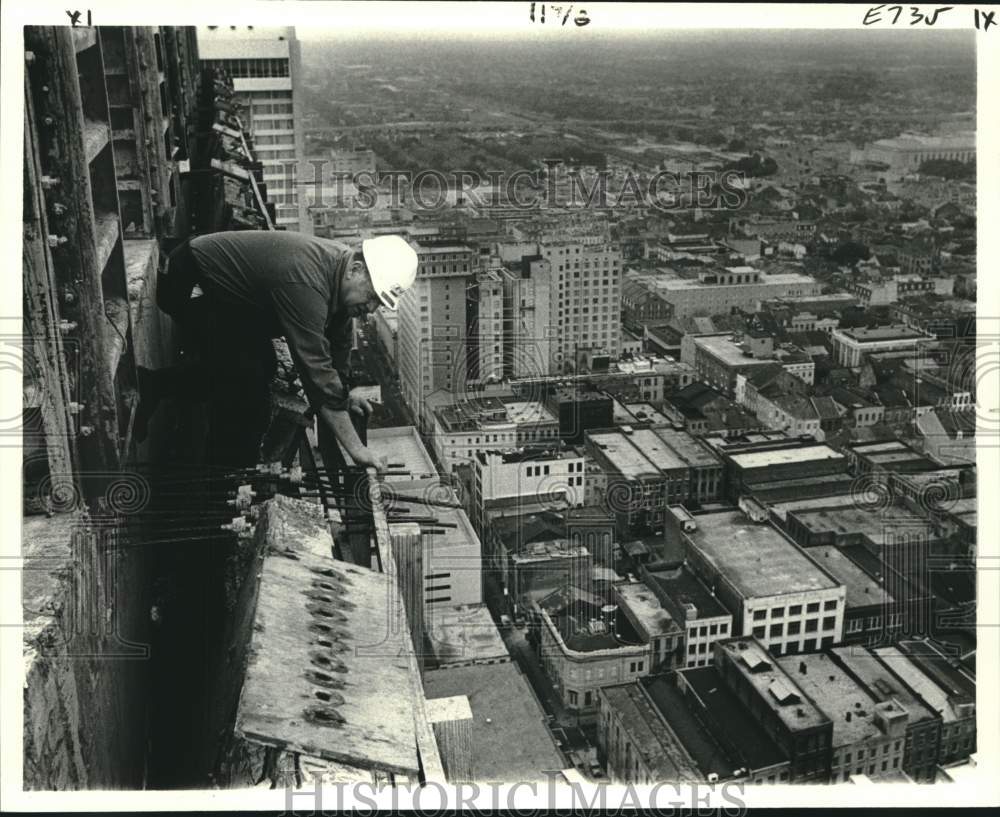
(581, 18)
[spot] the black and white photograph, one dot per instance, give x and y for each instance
(494, 404)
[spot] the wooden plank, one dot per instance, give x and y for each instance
(307, 690)
(106, 227)
(41, 310)
(76, 262)
(230, 169)
(84, 37)
(95, 138)
(116, 329)
(218, 127)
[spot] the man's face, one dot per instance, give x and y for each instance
(357, 295)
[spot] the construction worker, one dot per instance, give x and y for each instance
(232, 292)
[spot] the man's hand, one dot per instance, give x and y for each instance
(365, 457)
(359, 405)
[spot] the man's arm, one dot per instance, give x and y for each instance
(301, 312)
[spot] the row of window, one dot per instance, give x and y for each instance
(794, 610)
(251, 68)
(721, 628)
(795, 627)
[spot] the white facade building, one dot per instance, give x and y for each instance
(266, 67)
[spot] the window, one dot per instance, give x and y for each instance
(759, 615)
(830, 605)
(758, 632)
(795, 609)
(572, 697)
(812, 624)
(809, 644)
(703, 631)
(713, 629)
(586, 698)
(829, 622)
(794, 627)
(813, 607)
(776, 630)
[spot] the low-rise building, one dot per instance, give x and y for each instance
(775, 591)
(753, 466)
(584, 646)
(644, 475)
(462, 430)
(654, 622)
(923, 725)
(945, 689)
(717, 727)
(868, 735)
(850, 346)
(534, 475)
(635, 743)
(693, 606)
(787, 715)
(719, 359)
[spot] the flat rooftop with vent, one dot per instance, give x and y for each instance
(756, 558)
(837, 693)
(772, 682)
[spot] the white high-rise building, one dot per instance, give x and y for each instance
(585, 298)
(266, 67)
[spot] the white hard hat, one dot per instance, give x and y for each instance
(392, 265)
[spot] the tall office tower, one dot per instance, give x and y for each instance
(433, 323)
(585, 298)
(266, 67)
(485, 328)
(528, 329)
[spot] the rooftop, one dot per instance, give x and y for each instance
(688, 448)
(661, 749)
(836, 693)
(682, 587)
(878, 525)
(623, 455)
(656, 450)
(773, 683)
(773, 279)
(784, 456)
(725, 349)
(879, 334)
(653, 620)
(862, 590)
(646, 413)
(543, 551)
(756, 558)
(401, 444)
(509, 740)
(464, 633)
(573, 618)
(933, 695)
(879, 680)
(461, 536)
(747, 746)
